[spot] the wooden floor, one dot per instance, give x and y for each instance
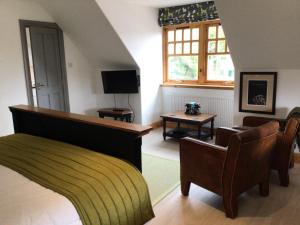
(205, 208)
(202, 207)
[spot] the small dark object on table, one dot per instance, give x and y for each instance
(192, 108)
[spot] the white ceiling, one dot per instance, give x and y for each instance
(262, 34)
(89, 29)
(163, 3)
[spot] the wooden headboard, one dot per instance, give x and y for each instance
(115, 138)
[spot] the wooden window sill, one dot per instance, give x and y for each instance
(204, 86)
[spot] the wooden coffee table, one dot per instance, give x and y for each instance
(181, 117)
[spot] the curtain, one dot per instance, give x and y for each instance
(187, 13)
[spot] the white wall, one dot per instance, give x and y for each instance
(12, 85)
(263, 36)
(138, 29)
(80, 75)
(88, 28)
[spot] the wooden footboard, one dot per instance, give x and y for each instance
(115, 138)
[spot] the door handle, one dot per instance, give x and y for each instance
(38, 86)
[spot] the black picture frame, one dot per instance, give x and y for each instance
(258, 92)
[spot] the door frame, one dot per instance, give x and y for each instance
(30, 23)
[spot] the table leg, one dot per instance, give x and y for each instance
(199, 131)
(164, 129)
(212, 128)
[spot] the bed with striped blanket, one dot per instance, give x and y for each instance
(103, 189)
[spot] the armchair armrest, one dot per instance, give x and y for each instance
(255, 121)
(202, 163)
(201, 147)
(223, 135)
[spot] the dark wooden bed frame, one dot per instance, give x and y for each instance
(115, 138)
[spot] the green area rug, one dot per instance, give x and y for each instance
(162, 176)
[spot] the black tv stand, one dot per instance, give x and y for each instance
(118, 109)
(117, 113)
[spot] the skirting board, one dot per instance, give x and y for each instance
(156, 124)
(297, 157)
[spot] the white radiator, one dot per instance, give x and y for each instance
(223, 107)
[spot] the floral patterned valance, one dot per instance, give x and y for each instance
(187, 13)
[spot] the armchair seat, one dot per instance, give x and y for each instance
(229, 171)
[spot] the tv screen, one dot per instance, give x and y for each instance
(120, 81)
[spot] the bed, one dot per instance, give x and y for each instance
(54, 171)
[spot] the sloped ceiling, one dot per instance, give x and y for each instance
(262, 34)
(84, 22)
(163, 3)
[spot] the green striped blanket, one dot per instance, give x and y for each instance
(103, 189)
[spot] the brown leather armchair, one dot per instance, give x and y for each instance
(254, 121)
(229, 171)
(282, 157)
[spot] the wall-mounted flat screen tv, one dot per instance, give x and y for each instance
(120, 82)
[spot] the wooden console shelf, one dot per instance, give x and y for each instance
(118, 125)
(115, 138)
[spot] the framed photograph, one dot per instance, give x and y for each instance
(258, 92)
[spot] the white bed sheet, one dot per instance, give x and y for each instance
(23, 202)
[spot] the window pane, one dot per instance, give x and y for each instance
(195, 34)
(221, 46)
(212, 32)
(187, 34)
(211, 47)
(178, 48)
(171, 49)
(221, 32)
(178, 35)
(170, 35)
(183, 67)
(195, 47)
(186, 48)
(220, 68)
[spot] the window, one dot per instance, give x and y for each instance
(197, 54)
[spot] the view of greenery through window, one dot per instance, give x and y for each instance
(220, 68)
(184, 49)
(219, 63)
(183, 67)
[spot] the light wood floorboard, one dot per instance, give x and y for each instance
(202, 207)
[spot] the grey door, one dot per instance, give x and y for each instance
(47, 68)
